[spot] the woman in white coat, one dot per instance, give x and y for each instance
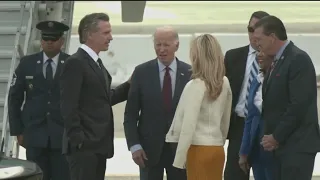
(202, 118)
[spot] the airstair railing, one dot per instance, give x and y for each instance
(8, 147)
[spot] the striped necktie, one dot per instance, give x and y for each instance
(253, 74)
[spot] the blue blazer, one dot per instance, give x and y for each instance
(252, 122)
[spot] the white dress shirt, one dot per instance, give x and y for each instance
(54, 64)
(258, 96)
(240, 107)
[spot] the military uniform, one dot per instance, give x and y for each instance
(36, 81)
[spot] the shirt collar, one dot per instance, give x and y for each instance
(91, 53)
(55, 59)
(251, 50)
(172, 66)
(260, 77)
(279, 53)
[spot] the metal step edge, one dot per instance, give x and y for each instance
(12, 30)
(4, 77)
(12, 6)
(6, 54)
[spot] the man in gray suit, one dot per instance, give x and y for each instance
(155, 91)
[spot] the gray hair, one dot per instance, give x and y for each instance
(89, 24)
(168, 29)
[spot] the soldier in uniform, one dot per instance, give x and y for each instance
(37, 123)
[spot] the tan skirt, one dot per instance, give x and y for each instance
(205, 162)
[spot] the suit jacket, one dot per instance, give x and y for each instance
(290, 103)
(252, 122)
(40, 116)
(86, 101)
(146, 122)
(235, 64)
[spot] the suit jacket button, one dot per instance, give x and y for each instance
(48, 113)
(49, 102)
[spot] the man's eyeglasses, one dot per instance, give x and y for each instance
(250, 29)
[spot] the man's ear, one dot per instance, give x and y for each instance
(177, 45)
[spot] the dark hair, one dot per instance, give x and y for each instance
(272, 24)
(258, 15)
(89, 24)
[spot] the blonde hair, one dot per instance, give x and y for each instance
(207, 62)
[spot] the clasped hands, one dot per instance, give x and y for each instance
(269, 143)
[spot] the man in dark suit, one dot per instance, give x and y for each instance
(240, 69)
(289, 103)
(39, 126)
(152, 101)
(86, 100)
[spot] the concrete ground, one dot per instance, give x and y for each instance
(121, 167)
(205, 16)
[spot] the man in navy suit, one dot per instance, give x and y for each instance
(39, 126)
(251, 152)
(155, 91)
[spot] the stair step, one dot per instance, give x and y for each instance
(12, 30)
(8, 6)
(8, 35)
(6, 53)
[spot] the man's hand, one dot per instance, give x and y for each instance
(139, 156)
(243, 163)
(269, 143)
(20, 140)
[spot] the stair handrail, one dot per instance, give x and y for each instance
(29, 27)
(11, 72)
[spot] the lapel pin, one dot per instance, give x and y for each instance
(38, 62)
(182, 74)
(62, 61)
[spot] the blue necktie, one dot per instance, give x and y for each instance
(253, 74)
(49, 71)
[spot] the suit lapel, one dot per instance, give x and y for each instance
(276, 69)
(180, 83)
(243, 63)
(95, 67)
(155, 79)
(60, 65)
(39, 67)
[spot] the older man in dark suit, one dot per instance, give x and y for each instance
(152, 101)
(86, 100)
(289, 103)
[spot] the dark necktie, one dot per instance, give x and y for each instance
(100, 63)
(104, 72)
(49, 72)
(167, 90)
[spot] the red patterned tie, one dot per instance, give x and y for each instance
(167, 90)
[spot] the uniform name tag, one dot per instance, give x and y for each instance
(29, 77)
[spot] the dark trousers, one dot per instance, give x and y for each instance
(232, 170)
(87, 165)
(294, 166)
(51, 161)
(165, 163)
